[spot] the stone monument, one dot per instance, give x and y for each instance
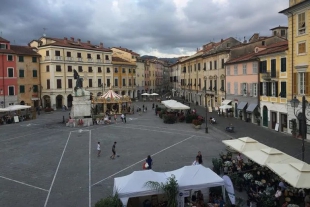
(81, 104)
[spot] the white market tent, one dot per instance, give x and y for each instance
(269, 155)
(296, 174)
(14, 108)
(189, 178)
(167, 102)
(225, 107)
(177, 106)
(244, 144)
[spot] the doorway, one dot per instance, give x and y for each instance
(265, 116)
(273, 119)
(59, 103)
(70, 99)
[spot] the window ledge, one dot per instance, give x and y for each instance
(301, 35)
(301, 54)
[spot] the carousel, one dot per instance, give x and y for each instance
(112, 103)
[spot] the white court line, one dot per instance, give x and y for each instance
(143, 160)
(63, 152)
(23, 183)
(89, 170)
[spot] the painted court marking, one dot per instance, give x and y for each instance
(143, 160)
(16, 181)
(89, 170)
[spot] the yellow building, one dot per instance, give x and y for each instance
(60, 57)
(28, 70)
(273, 85)
(298, 55)
(125, 54)
(140, 73)
(124, 77)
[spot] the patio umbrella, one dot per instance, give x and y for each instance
(269, 155)
(244, 144)
(297, 174)
(226, 107)
(145, 94)
(177, 106)
(154, 94)
(17, 107)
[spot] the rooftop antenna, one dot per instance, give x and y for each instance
(44, 34)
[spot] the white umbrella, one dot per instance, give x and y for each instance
(154, 94)
(17, 107)
(226, 107)
(145, 94)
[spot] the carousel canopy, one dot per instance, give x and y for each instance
(111, 94)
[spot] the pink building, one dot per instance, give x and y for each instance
(242, 82)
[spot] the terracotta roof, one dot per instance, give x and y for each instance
(24, 50)
(6, 51)
(75, 44)
(126, 50)
(118, 59)
(4, 40)
(273, 48)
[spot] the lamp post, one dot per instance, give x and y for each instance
(301, 116)
(206, 110)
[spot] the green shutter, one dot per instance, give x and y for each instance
(22, 89)
(34, 73)
(283, 64)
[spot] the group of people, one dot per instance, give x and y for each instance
(113, 150)
(108, 120)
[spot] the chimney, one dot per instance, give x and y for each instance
(65, 40)
(72, 39)
(101, 45)
(79, 41)
(88, 42)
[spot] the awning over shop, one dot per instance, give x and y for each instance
(251, 108)
(226, 102)
(242, 105)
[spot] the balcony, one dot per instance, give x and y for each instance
(47, 58)
(99, 61)
(79, 59)
(69, 59)
(58, 57)
(90, 60)
(266, 76)
(107, 61)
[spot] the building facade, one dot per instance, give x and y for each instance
(298, 58)
(8, 75)
(140, 73)
(28, 72)
(125, 54)
(60, 57)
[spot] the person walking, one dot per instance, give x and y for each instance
(115, 118)
(122, 117)
(125, 118)
(98, 149)
(113, 151)
(200, 157)
(143, 107)
(149, 162)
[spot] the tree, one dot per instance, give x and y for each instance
(170, 189)
(110, 201)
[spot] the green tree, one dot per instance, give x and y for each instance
(170, 189)
(110, 201)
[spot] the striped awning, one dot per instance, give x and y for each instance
(111, 95)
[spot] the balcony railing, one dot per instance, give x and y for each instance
(58, 57)
(69, 59)
(266, 76)
(107, 61)
(90, 60)
(47, 58)
(79, 59)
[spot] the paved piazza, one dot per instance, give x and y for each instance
(45, 163)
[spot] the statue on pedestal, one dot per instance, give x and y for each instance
(79, 80)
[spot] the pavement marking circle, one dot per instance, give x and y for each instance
(16, 181)
(143, 160)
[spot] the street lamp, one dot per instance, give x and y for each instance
(301, 116)
(206, 109)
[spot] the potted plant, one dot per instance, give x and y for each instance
(169, 118)
(294, 127)
(216, 165)
(197, 123)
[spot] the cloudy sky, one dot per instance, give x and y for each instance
(165, 28)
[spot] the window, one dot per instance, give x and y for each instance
(35, 73)
(223, 63)
(35, 88)
(58, 83)
(123, 70)
(134, 82)
(264, 88)
(20, 58)
(68, 54)
(90, 69)
(90, 83)
(215, 65)
(255, 67)
(301, 23)
(235, 88)
(129, 70)
(198, 66)
(57, 53)
(210, 85)
(227, 70)
(98, 57)
(88, 56)
(69, 68)
(47, 53)
(2, 46)
(21, 89)
(204, 66)
(222, 85)
(244, 69)
(21, 73)
(34, 59)
(10, 72)
(134, 70)
(80, 68)
(215, 85)
(282, 32)
(108, 70)
(124, 82)
(244, 89)
(47, 68)
(302, 83)
(99, 82)
(195, 67)
(263, 66)
(48, 84)
(99, 70)
(79, 55)
(107, 57)
(283, 64)
(235, 69)
(129, 82)
(69, 83)
(228, 88)
(273, 68)
(11, 91)
(228, 45)
(283, 90)
(210, 65)
(302, 48)
(108, 82)
(58, 68)
(263, 43)
(254, 89)
(10, 57)
(116, 82)
(274, 33)
(273, 88)
(115, 70)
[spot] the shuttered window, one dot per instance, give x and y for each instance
(283, 64)
(273, 68)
